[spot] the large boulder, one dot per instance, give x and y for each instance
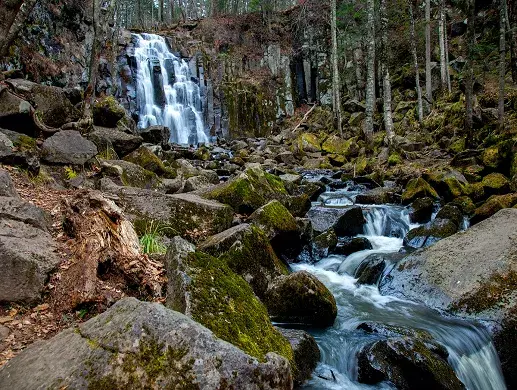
(156, 135)
(27, 252)
(137, 345)
(306, 353)
(378, 195)
(421, 210)
(183, 214)
(469, 274)
(495, 184)
(418, 188)
(128, 174)
(68, 147)
(247, 251)
(150, 161)
(301, 298)
(250, 190)
(492, 206)
(204, 288)
(16, 113)
(346, 221)
(107, 112)
(114, 143)
(6, 185)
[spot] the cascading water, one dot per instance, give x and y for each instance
(166, 94)
(471, 352)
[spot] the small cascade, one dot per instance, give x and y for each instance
(166, 92)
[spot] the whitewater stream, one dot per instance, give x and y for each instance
(471, 352)
(167, 93)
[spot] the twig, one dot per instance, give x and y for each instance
(304, 117)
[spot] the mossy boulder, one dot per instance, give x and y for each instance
(324, 243)
(141, 345)
(495, 184)
(218, 298)
(449, 184)
(247, 251)
(344, 147)
(492, 206)
(491, 157)
(473, 173)
(150, 161)
(128, 174)
(113, 143)
(349, 245)
(475, 191)
(421, 210)
(465, 204)
(418, 188)
(107, 112)
(302, 299)
(250, 190)
(394, 159)
(307, 143)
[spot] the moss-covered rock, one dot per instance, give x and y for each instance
(250, 190)
(475, 191)
(302, 299)
(450, 184)
(493, 205)
(465, 204)
(324, 243)
(421, 210)
(107, 112)
(216, 297)
(473, 173)
(337, 145)
(149, 161)
(491, 157)
(129, 174)
(307, 143)
(274, 219)
(394, 159)
(418, 188)
(247, 251)
(495, 184)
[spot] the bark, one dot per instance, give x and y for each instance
(447, 69)
(502, 62)
(336, 98)
(359, 64)
(162, 15)
(172, 11)
(441, 36)
(469, 71)
(386, 85)
(428, 75)
(370, 65)
(12, 26)
(412, 39)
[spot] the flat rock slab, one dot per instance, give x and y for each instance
(141, 345)
(68, 147)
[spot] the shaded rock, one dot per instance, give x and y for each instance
(324, 243)
(27, 256)
(468, 274)
(138, 345)
(208, 291)
(291, 182)
(465, 204)
(407, 363)
(248, 191)
(6, 185)
(449, 184)
(16, 153)
(421, 210)
(183, 214)
(312, 190)
(129, 174)
(247, 251)
(156, 135)
(346, 219)
(150, 161)
(492, 206)
(349, 245)
(418, 188)
(378, 195)
(306, 352)
(286, 158)
(68, 147)
(16, 113)
(430, 233)
(495, 184)
(301, 298)
(107, 112)
(372, 267)
(114, 143)
(350, 223)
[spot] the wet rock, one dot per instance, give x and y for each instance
(349, 245)
(182, 214)
(421, 210)
(449, 185)
(378, 195)
(418, 188)
(430, 233)
(372, 267)
(68, 147)
(150, 161)
(114, 143)
(306, 353)
(156, 135)
(301, 298)
(407, 363)
(250, 190)
(6, 185)
(324, 243)
(350, 223)
(207, 290)
(492, 206)
(467, 274)
(128, 174)
(136, 345)
(107, 112)
(248, 252)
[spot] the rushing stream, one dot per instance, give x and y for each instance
(167, 94)
(471, 352)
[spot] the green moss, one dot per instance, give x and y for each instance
(458, 146)
(149, 161)
(25, 143)
(418, 188)
(495, 181)
(337, 145)
(476, 191)
(493, 205)
(394, 159)
(225, 304)
(274, 217)
(491, 157)
(465, 204)
(307, 142)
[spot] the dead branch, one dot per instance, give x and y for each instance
(304, 118)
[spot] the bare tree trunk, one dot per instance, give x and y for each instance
(172, 11)
(511, 19)
(140, 14)
(412, 39)
(446, 40)
(370, 65)
(388, 119)
(13, 28)
(336, 98)
(359, 63)
(469, 87)
(162, 16)
(441, 36)
(502, 62)
(428, 75)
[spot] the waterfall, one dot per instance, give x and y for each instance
(166, 94)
